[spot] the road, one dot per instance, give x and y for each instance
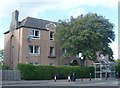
(111, 83)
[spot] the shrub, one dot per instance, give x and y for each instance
(118, 69)
(31, 72)
(5, 67)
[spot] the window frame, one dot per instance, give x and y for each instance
(33, 36)
(53, 52)
(53, 33)
(34, 50)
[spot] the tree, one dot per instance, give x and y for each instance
(117, 61)
(1, 58)
(88, 34)
(1, 54)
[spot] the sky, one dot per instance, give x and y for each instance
(54, 10)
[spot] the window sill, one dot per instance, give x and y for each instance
(51, 56)
(35, 38)
(34, 54)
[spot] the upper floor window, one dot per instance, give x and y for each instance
(51, 35)
(52, 51)
(34, 49)
(34, 33)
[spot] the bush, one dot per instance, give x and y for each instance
(31, 72)
(5, 67)
(118, 69)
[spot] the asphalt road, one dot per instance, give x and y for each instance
(111, 83)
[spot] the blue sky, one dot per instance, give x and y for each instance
(58, 9)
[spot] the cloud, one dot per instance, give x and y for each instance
(37, 7)
(34, 7)
(76, 12)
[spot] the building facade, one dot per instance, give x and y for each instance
(32, 41)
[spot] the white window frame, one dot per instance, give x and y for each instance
(53, 33)
(34, 50)
(33, 36)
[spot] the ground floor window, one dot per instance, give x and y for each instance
(34, 49)
(36, 64)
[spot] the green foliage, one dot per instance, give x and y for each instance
(117, 61)
(31, 72)
(87, 34)
(118, 66)
(1, 53)
(118, 70)
(5, 67)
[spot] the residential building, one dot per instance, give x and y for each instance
(32, 41)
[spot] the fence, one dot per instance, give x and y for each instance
(11, 75)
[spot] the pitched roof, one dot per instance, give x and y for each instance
(34, 23)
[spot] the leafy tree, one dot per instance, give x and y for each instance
(117, 61)
(88, 34)
(1, 58)
(1, 53)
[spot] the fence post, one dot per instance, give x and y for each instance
(117, 75)
(106, 76)
(90, 76)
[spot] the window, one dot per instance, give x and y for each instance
(51, 35)
(52, 52)
(51, 64)
(34, 33)
(64, 52)
(34, 49)
(36, 64)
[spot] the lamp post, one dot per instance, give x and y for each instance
(81, 60)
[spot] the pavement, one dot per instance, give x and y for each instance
(86, 82)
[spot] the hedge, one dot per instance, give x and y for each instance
(31, 72)
(118, 70)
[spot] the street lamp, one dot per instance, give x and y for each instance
(81, 60)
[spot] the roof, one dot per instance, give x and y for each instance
(34, 23)
(105, 62)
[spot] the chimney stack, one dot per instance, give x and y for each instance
(14, 22)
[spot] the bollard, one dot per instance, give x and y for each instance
(68, 78)
(117, 75)
(90, 76)
(55, 78)
(73, 77)
(106, 76)
(81, 78)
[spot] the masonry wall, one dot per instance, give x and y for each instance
(11, 47)
(44, 42)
